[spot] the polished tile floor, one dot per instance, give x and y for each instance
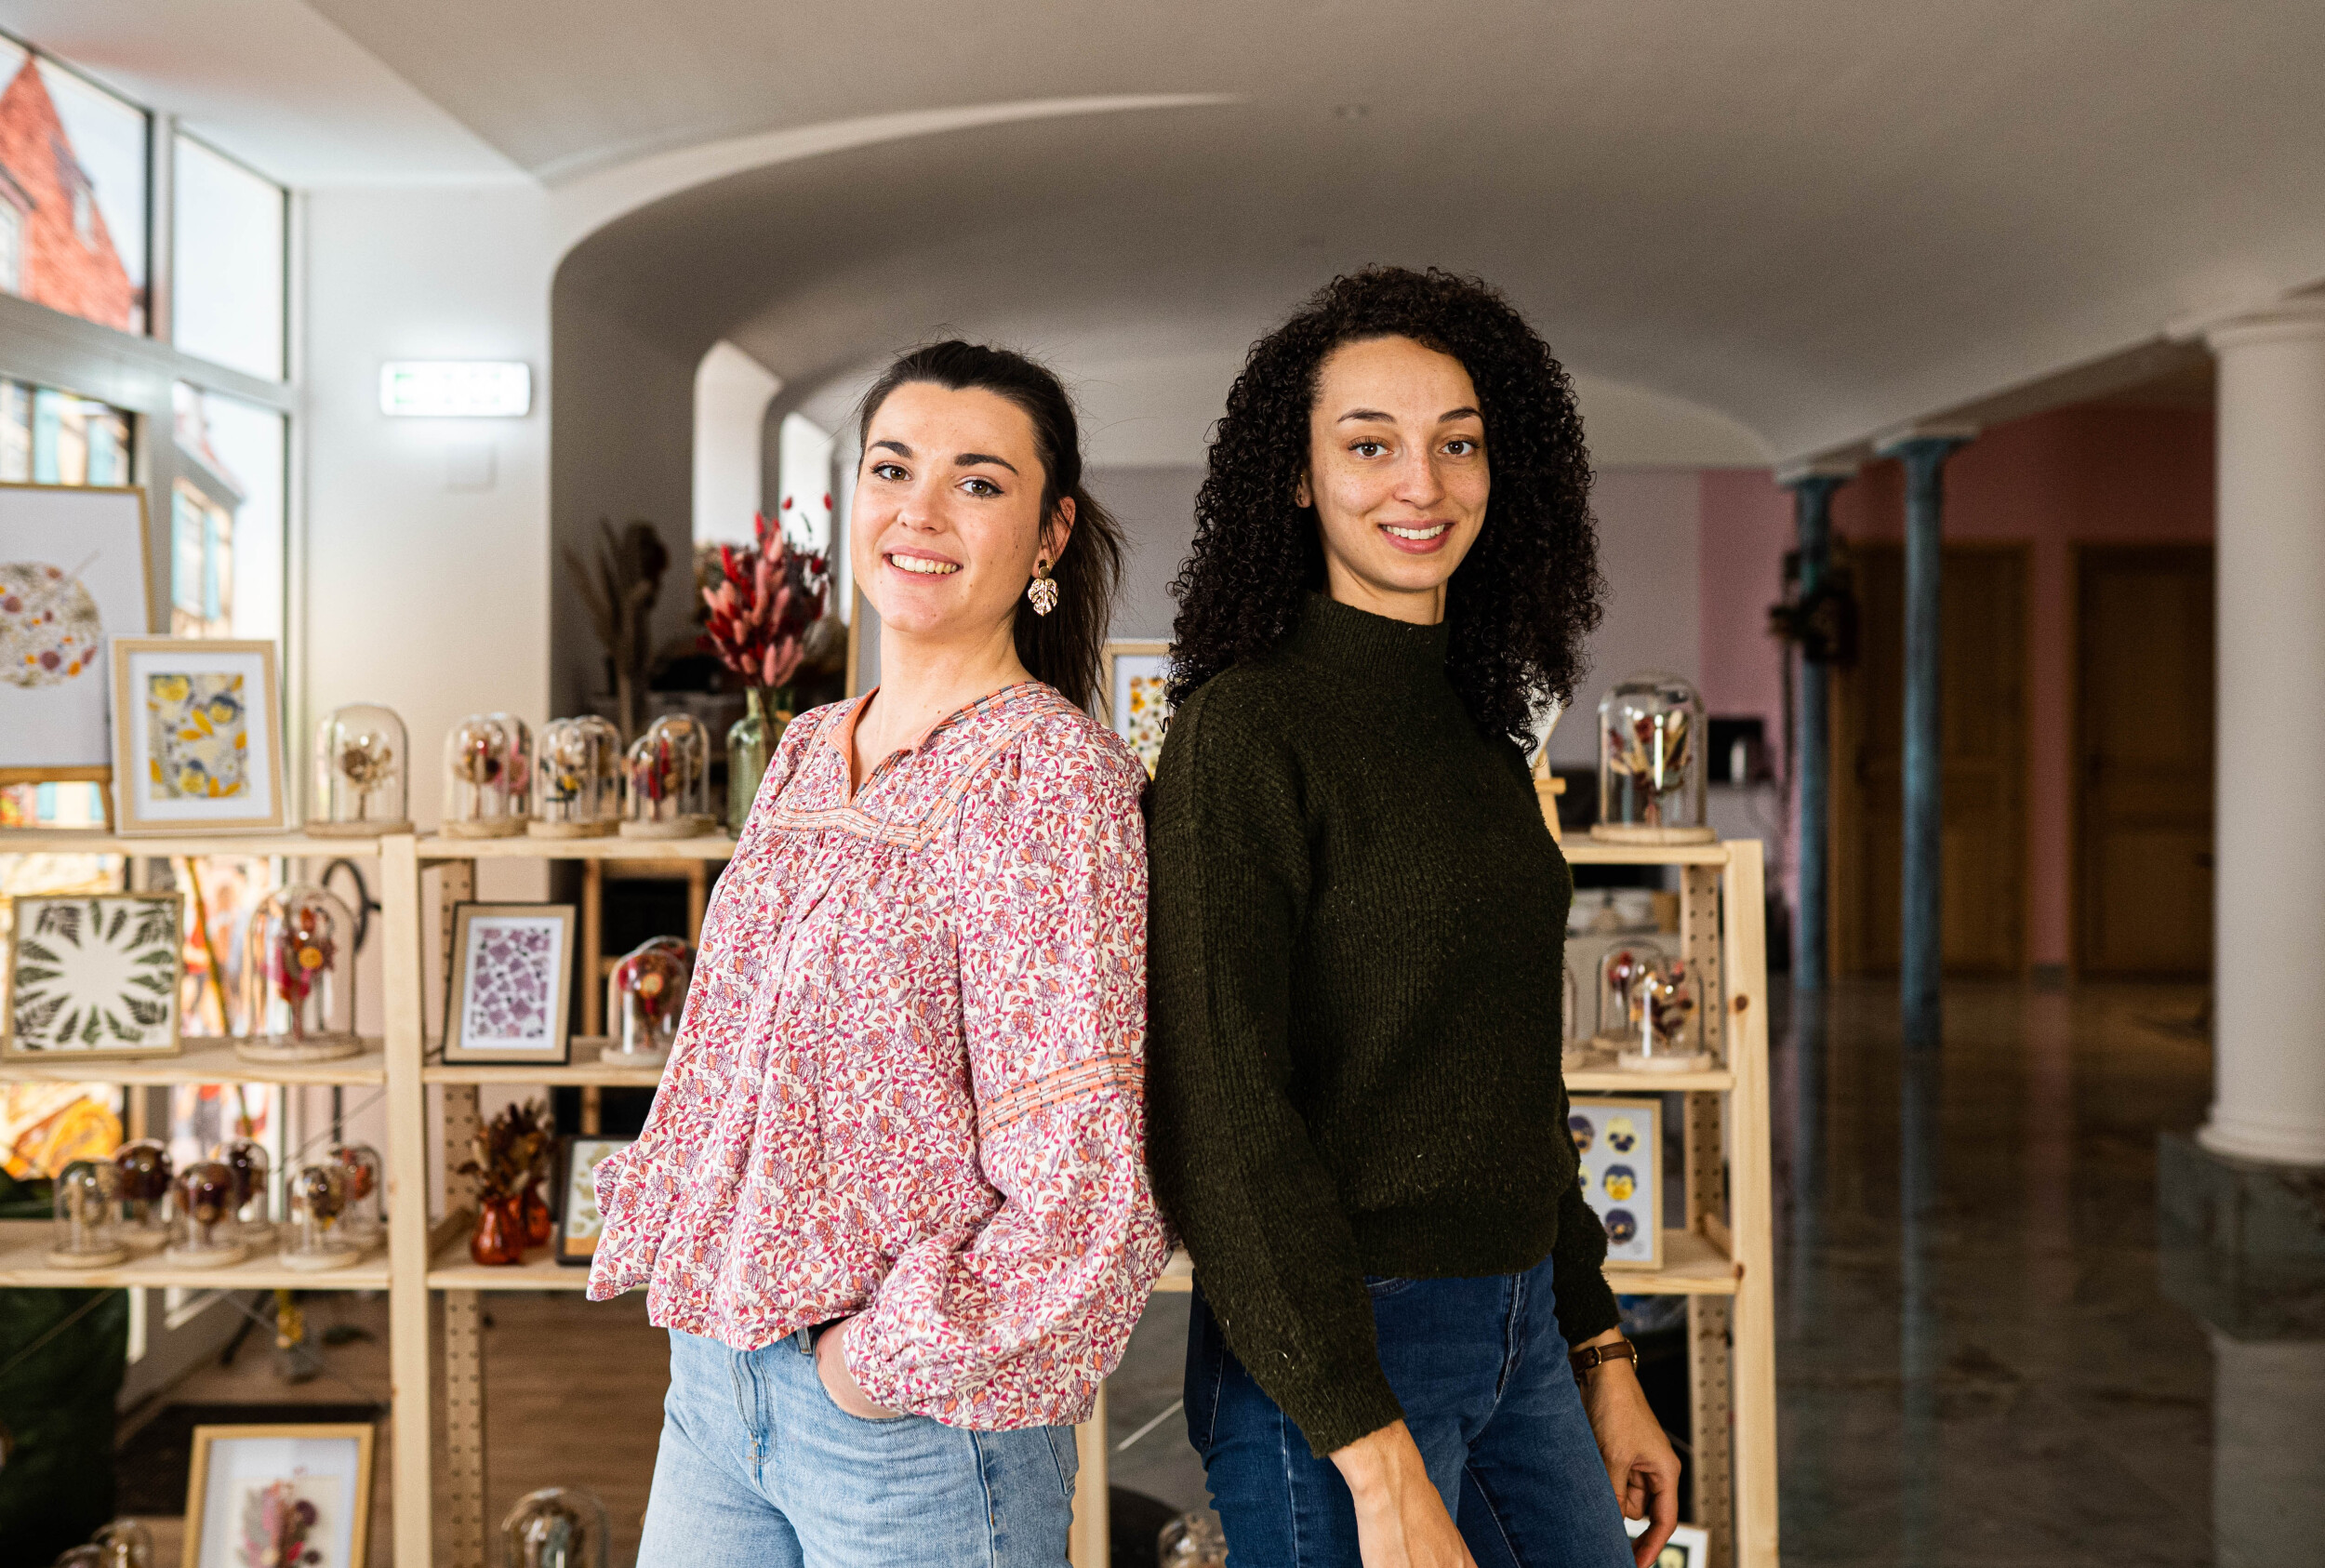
(1977, 1361)
(1977, 1365)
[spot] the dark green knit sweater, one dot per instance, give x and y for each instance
(1358, 922)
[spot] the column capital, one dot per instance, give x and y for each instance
(1949, 433)
(1814, 470)
(2291, 321)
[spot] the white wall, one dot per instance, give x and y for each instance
(732, 392)
(432, 600)
(1650, 522)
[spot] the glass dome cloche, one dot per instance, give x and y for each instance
(1668, 1034)
(253, 1192)
(362, 1222)
(487, 777)
(1623, 971)
(207, 1234)
(89, 1218)
(147, 1181)
(298, 978)
(363, 764)
(668, 794)
(577, 780)
(1650, 763)
(555, 1527)
(318, 1203)
(645, 995)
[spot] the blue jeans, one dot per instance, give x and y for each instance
(759, 1470)
(1480, 1369)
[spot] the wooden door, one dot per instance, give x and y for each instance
(2144, 752)
(1983, 729)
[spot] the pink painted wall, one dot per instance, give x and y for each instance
(2093, 473)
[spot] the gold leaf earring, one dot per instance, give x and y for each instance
(1042, 592)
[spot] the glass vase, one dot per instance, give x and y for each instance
(499, 1240)
(750, 743)
(539, 1224)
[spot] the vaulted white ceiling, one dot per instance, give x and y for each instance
(1818, 218)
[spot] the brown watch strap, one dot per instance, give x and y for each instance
(1594, 1355)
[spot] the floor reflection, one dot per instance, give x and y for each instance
(1978, 1364)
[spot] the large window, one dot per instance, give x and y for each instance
(52, 437)
(226, 570)
(226, 290)
(73, 178)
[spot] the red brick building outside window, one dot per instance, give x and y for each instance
(55, 248)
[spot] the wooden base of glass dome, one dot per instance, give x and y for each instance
(317, 828)
(541, 829)
(180, 1256)
(484, 828)
(692, 826)
(316, 1048)
(1636, 832)
(319, 1261)
(106, 1258)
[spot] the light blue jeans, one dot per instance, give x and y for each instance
(759, 1470)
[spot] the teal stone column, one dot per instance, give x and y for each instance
(1923, 452)
(1811, 739)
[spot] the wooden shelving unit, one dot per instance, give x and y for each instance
(1720, 1260)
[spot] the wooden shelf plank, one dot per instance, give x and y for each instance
(25, 1263)
(67, 841)
(584, 1069)
(1632, 1080)
(1691, 1266)
(203, 1061)
(452, 1269)
(715, 846)
(1584, 850)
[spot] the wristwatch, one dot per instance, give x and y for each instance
(1592, 1356)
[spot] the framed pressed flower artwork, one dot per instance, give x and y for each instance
(74, 572)
(290, 1496)
(93, 974)
(512, 983)
(197, 736)
(578, 1223)
(1137, 696)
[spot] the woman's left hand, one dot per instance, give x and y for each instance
(1639, 1463)
(848, 1394)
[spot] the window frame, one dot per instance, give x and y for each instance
(138, 372)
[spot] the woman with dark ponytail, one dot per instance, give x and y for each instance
(892, 1201)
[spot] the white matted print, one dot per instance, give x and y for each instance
(1619, 1145)
(512, 983)
(279, 1497)
(1690, 1547)
(578, 1223)
(197, 736)
(93, 974)
(72, 573)
(1137, 696)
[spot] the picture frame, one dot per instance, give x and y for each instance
(94, 976)
(1133, 695)
(509, 996)
(197, 736)
(578, 1225)
(1689, 1547)
(1618, 1143)
(293, 1490)
(77, 570)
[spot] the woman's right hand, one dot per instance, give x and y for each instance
(1400, 1521)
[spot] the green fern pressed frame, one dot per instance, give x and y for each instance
(94, 973)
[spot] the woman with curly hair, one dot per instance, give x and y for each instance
(1402, 1349)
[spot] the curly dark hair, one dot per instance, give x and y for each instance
(1529, 590)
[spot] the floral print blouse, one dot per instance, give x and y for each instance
(909, 1078)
